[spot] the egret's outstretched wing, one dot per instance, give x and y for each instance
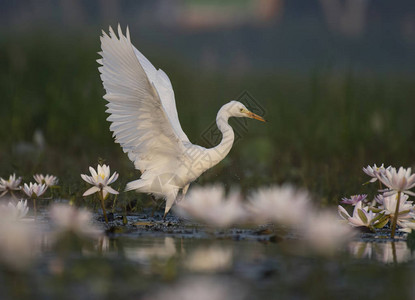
(139, 120)
(165, 90)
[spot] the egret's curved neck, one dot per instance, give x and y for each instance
(216, 154)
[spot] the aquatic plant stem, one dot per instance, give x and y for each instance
(395, 217)
(13, 195)
(101, 197)
(34, 208)
(395, 260)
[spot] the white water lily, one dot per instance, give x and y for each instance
(405, 207)
(49, 180)
(211, 206)
(400, 181)
(101, 180)
(10, 185)
(285, 205)
(34, 190)
(375, 171)
(362, 216)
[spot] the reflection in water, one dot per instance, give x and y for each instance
(201, 288)
(204, 259)
(210, 260)
(388, 252)
(144, 254)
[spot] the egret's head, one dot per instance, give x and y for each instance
(237, 109)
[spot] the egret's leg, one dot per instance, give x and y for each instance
(155, 205)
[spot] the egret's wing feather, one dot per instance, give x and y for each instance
(165, 90)
(140, 122)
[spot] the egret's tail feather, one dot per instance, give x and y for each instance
(170, 199)
(135, 185)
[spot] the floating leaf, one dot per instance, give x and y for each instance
(143, 224)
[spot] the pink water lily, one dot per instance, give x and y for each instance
(353, 200)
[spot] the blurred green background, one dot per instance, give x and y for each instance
(335, 79)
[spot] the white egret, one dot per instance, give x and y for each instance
(145, 123)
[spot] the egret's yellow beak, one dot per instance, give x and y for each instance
(255, 116)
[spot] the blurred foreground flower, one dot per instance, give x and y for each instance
(67, 218)
(14, 212)
(48, 180)
(211, 206)
(101, 180)
(10, 185)
(284, 205)
(18, 243)
(353, 200)
(325, 233)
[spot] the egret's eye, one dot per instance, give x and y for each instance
(241, 110)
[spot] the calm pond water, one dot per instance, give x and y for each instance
(186, 262)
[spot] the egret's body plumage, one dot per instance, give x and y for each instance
(145, 122)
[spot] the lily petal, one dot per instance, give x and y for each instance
(90, 191)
